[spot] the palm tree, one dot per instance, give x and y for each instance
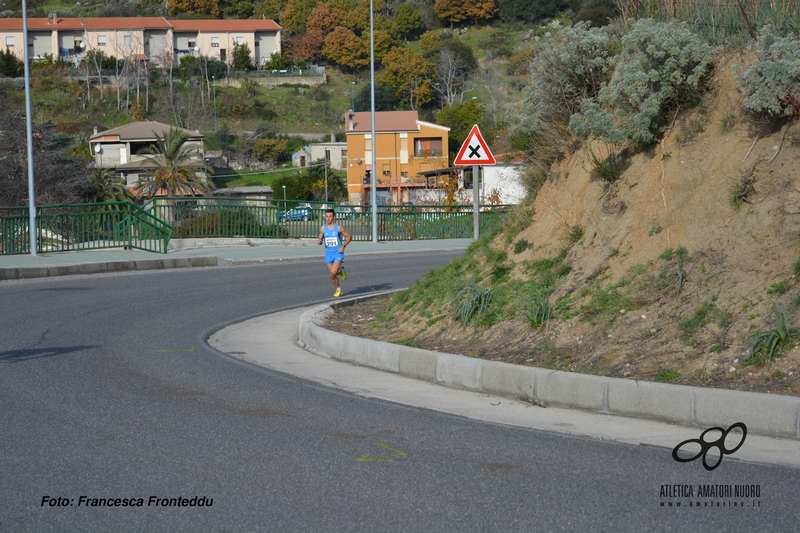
(104, 186)
(179, 168)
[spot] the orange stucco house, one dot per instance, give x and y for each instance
(404, 147)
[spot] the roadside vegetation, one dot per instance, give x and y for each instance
(617, 92)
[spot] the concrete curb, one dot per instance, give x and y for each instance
(28, 272)
(765, 414)
(225, 242)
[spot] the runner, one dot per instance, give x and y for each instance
(331, 234)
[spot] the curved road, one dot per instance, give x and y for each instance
(110, 395)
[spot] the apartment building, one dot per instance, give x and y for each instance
(405, 147)
(154, 39)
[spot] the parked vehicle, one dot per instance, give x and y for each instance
(344, 212)
(298, 213)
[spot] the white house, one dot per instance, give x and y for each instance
(334, 152)
(122, 148)
(153, 39)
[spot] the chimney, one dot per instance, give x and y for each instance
(95, 130)
(55, 18)
(351, 119)
(333, 137)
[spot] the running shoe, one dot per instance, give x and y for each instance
(342, 273)
(337, 293)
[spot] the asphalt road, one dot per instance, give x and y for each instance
(109, 391)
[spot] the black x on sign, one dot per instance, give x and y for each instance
(474, 151)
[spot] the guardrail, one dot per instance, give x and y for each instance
(71, 227)
(151, 226)
(254, 217)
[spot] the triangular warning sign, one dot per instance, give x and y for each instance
(474, 151)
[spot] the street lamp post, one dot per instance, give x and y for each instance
(29, 132)
(213, 82)
(373, 176)
(284, 196)
(352, 96)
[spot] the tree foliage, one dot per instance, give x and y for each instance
(280, 61)
(660, 63)
(269, 9)
(179, 167)
(460, 117)
(323, 18)
(240, 57)
(345, 49)
(408, 21)
(58, 176)
(295, 14)
(304, 48)
(410, 75)
(9, 64)
(104, 186)
(564, 74)
(453, 63)
(238, 9)
(527, 11)
(771, 83)
(270, 149)
(385, 99)
(428, 40)
(457, 11)
(198, 8)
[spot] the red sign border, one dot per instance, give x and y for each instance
(459, 158)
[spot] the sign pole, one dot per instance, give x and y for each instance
(475, 152)
(476, 201)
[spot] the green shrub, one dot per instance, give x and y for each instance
(608, 169)
(471, 300)
(562, 76)
(771, 83)
(228, 223)
(520, 246)
(539, 311)
(667, 375)
(764, 345)
(660, 63)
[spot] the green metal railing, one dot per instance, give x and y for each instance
(259, 218)
(83, 227)
(151, 226)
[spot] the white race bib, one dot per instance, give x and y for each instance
(331, 242)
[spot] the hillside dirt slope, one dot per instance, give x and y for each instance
(701, 276)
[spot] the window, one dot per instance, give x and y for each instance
(101, 40)
(240, 41)
(128, 40)
(215, 42)
(427, 146)
(192, 44)
(10, 42)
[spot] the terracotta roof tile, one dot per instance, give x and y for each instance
(138, 23)
(384, 121)
(217, 26)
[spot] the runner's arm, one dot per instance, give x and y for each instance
(347, 238)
